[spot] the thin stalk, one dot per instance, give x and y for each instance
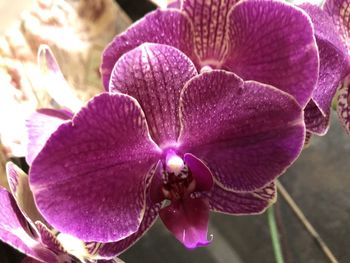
(312, 231)
(275, 236)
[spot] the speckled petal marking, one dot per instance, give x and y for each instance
(343, 105)
(340, 12)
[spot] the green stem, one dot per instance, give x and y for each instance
(274, 235)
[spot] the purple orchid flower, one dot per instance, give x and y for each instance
(202, 141)
(334, 66)
(340, 17)
(22, 227)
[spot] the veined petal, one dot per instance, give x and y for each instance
(210, 25)
(110, 250)
(334, 64)
(116, 248)
(12, 230)
(19, 186)
(316, 122)
(90, 169)
(247, 133)
(188, 221)
(339, 11)
(248, 203)
(343, 104)
(169, 27)
(273, 42)
(48, 238)
(40, 125)
(200, 172)
(154, 75)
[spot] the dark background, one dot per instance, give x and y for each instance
(319, 182)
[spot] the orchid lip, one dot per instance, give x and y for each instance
(178, 183)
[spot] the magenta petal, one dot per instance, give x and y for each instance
(154, 75)
(30, 260)
(110, 250)
(256, 202)
(246, 132)
(41, 125)
(116, 248)
(168, 27)
(200, 172)
(343, 105)
(13, 227)
(188, 221)
(209, 20)
(49, 239)
(334, 65)
(316, 121)
(338, 10)
(90, 169)
(19, 185)
(273, 42)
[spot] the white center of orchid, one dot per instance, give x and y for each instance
(206, 68)
(73, 245)
(174, 163)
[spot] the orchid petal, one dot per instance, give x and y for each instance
(41, 124)
(154, 75)
(188, 221)
(273, 42)
(30, 260)
(247, 133)
(48, 239)
(109, 250)
(308, 138)
(338, 10)
(209, 19)
(116, 248)
(343, 105)
(93, 166)
(56, 84)
(248, 203)
(334, 65)
(316, 122)
(168, 27)
(19, 186)
(200, 173)
(12, 230)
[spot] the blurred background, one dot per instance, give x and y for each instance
(319, 181)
